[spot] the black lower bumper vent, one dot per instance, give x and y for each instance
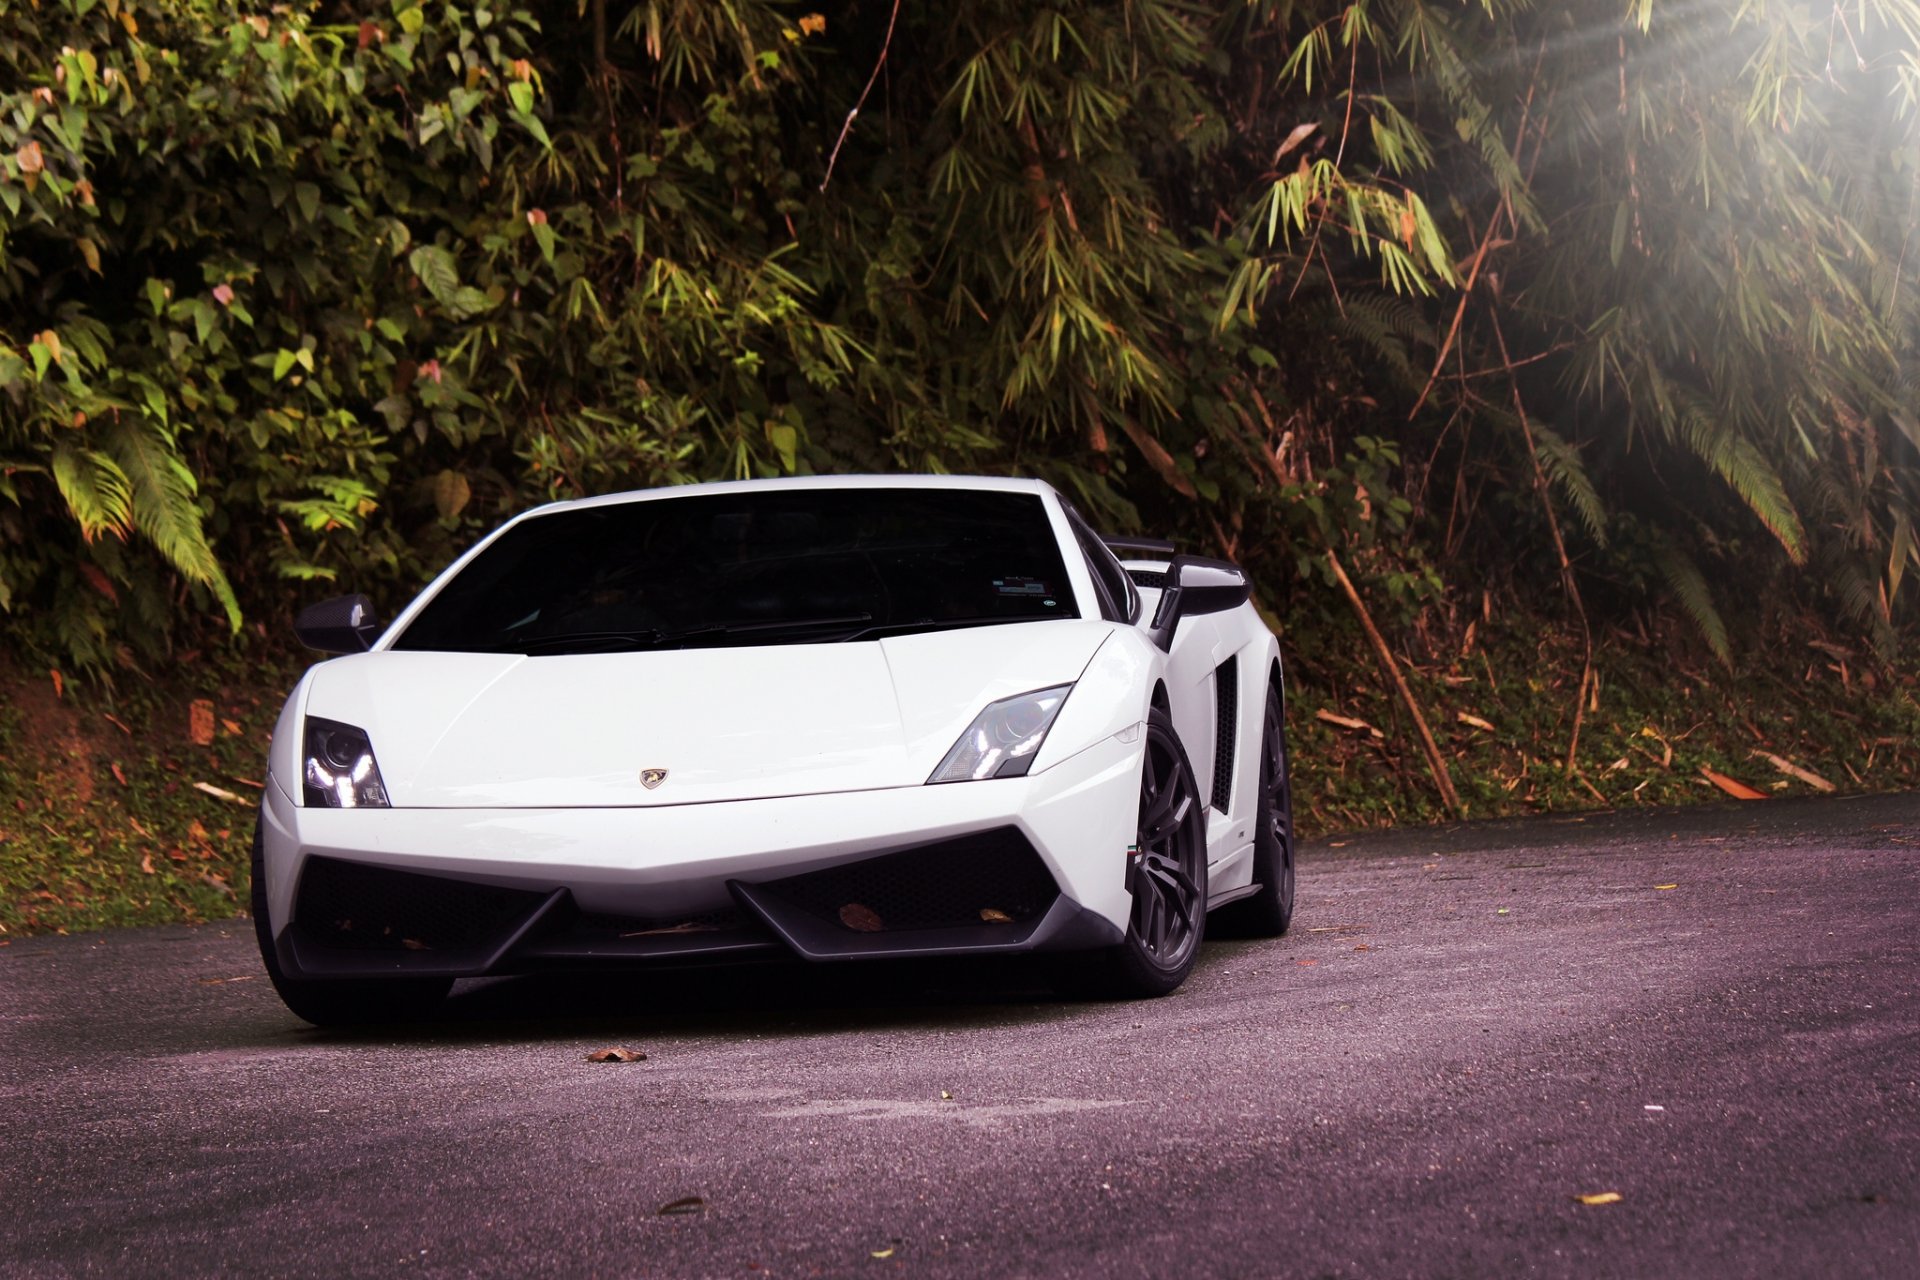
(991, 878)
(984, 892)
(352, 907)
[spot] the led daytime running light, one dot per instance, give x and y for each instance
(339, 771)
(1004, 738)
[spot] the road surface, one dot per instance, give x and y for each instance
(1713, 1015)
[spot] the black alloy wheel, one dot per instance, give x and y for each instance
(1268, 913)
(341, 1002)
(1167, 872)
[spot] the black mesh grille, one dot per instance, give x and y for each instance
(1226, 692)
(354, 907)
(970, 881)
(1148, 577)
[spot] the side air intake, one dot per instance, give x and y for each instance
(1226, 692)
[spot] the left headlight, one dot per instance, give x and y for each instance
(1002, 740)
(339, 771)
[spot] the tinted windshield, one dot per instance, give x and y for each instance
(775, 566)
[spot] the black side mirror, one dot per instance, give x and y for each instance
(344, 624)
(1196, 585)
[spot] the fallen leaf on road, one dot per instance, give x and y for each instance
(1666, 886)
(1306, 964)
(1501, 912)
(1363, 947)
(214, 982)
(884, 1253)
(617, 1054)
(1600, 1197)
(1476, 722)
(1738, 790)
(860, 918)
(945, 1096)
(685, 1204)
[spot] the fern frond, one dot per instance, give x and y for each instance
(165, 511)
(97, 491)
(1689, 586)
(1565, 471)
(1736, 460)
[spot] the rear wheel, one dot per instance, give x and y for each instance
(1167, 871)
(339, 1002)
(1269, 911)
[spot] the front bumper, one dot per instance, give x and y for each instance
(1014, 864)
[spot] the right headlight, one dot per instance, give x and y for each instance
(1002, 740)
(338, 770)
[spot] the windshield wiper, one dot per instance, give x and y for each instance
(656, 638)
(612, 641)
(938, 624)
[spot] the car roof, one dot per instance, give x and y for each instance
(1003, 484)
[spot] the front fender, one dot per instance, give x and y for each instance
(1110, 699)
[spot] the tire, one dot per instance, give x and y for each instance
(1268, 913)
(1167, 873)
(339, 1002)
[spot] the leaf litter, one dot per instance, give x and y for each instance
(616, 1053)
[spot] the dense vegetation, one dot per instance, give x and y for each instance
(1604, 305)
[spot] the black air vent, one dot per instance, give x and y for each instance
(1155, 578)
(1226, 691)
(350, 906)
(965, 882)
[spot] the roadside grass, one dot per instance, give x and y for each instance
(1501, 708)
(101, 823)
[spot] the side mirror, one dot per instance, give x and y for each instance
(1197, 586)
(344, 624)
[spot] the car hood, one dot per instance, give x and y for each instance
(467, 730)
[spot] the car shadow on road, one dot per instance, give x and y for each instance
(745, 1000)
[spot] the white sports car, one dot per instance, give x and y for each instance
(834, 718)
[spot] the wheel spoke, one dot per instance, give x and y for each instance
(1170, 822)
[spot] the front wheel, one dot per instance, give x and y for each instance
(1167, 872)
(340, 1002)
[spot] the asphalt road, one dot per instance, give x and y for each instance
(1468, 1029)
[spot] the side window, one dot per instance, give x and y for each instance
(1119, 602)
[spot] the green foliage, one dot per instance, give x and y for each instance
(287, 297)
